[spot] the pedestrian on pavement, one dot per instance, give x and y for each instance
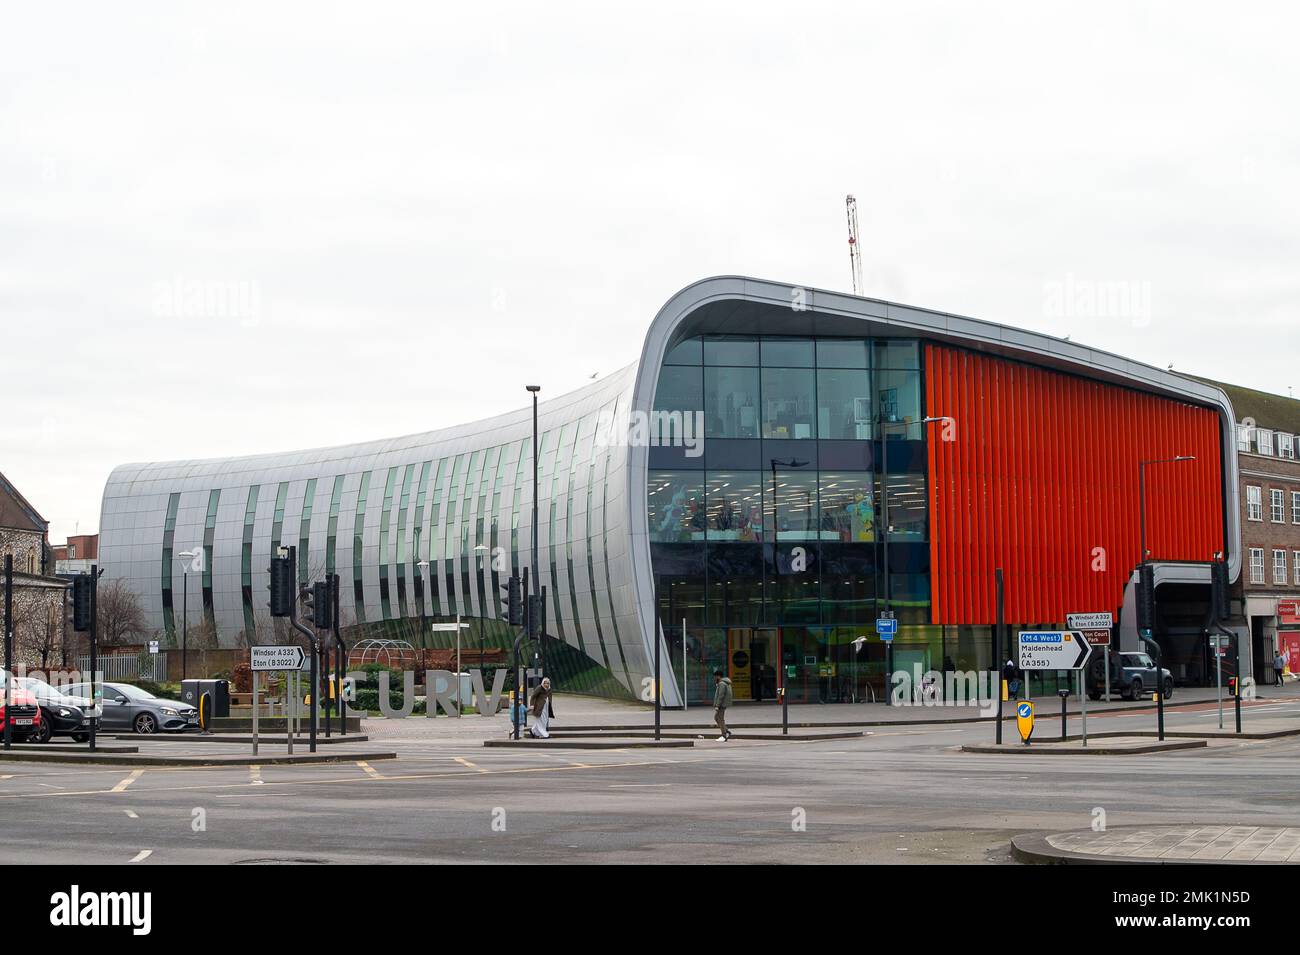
(541, 709)
(1279, 666)
(721, 700)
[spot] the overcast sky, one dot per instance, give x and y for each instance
(233, 228)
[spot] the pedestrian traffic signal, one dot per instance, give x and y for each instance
(536, 614)
(281, 587)
(316, 605)
(81, 616)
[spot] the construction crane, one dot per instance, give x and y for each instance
(855, 253)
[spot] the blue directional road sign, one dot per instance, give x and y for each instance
(886, 627)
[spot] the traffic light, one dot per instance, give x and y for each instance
(316, 605)
(281, 587)
(535, 614)
(81, 585)
(1146, 597)
(1219, 589)
(514, 603)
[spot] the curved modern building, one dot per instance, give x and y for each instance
(779, 466)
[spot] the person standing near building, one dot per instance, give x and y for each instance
(1279, 666)
(541, 709)
(722, 696)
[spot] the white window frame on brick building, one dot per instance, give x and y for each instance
(1276, 505)
(1295, 566)
(1264, 441)
(1254, 503)
(1279, 566)
(1245, 438)
(1257, 565)
(1295, 507)
(1285, 446)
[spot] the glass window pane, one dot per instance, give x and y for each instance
(907, 507)
(680, 388)
(796, 505)
(841, 353)
(844, 404)
(787, 352)
(848, 510)
(898, 394)
(730, 350)
(688, 352)
(676, 506)
(788, 403)
(731, 402)
(734, 502)
(896, 354)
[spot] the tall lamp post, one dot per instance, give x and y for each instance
(792, 463)
(884, 536)
(1148, 635)
(424, 613)
(189, 556)
(537, 574)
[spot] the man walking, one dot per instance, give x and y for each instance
(1279, 666)
(721, 700)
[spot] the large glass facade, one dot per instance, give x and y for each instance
(767, 548)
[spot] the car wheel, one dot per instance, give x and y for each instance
(146, 724)
(1135, 689)
(80, 737)
(1094, 696)
(46, 731)
(1169, 688)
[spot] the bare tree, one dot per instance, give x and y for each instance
(119, 614)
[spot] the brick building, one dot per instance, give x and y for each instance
(38, 594)
(1268, 454)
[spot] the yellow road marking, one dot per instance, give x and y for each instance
(121, 787)
(370, 770)
(466, 762)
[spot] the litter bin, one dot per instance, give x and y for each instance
(218, 690)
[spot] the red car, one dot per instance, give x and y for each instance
(26, 714)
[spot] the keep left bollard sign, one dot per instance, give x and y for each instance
(1025, 720)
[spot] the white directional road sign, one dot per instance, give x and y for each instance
(1053, 650)
(276, 658)
(1090, 621)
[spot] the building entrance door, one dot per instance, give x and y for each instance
(752, 654)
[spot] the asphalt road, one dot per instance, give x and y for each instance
(902, 794)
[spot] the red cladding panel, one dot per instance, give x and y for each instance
(1041, 479)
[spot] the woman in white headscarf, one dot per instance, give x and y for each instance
(541, 709)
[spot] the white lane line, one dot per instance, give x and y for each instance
(142, 855)
(639, 785)
(49, 785)
(121, 787)
(255, 776)
(130, 814)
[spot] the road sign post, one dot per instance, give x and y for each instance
(887, 627)
(1043, 650)
(1025, 720)
(273, 660)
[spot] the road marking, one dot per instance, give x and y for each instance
(130, 814)
(121, 787)
(369, 770)
(142, 855)
(467, 763)
(255, 776)
(638, 785)
(49, 785)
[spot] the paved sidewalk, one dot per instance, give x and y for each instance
(1163, 844)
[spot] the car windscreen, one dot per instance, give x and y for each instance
(133, 692)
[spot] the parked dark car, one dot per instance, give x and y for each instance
(127, 708)
(1132, 675)
(61, 715)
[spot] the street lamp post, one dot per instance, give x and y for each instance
(1148, 635)
(792, 463)
(537, 575)
(188, 556)
(424, 613)
(884, 537)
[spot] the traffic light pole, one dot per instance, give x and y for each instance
(94, 649)
(340, 652)
(315, 649)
